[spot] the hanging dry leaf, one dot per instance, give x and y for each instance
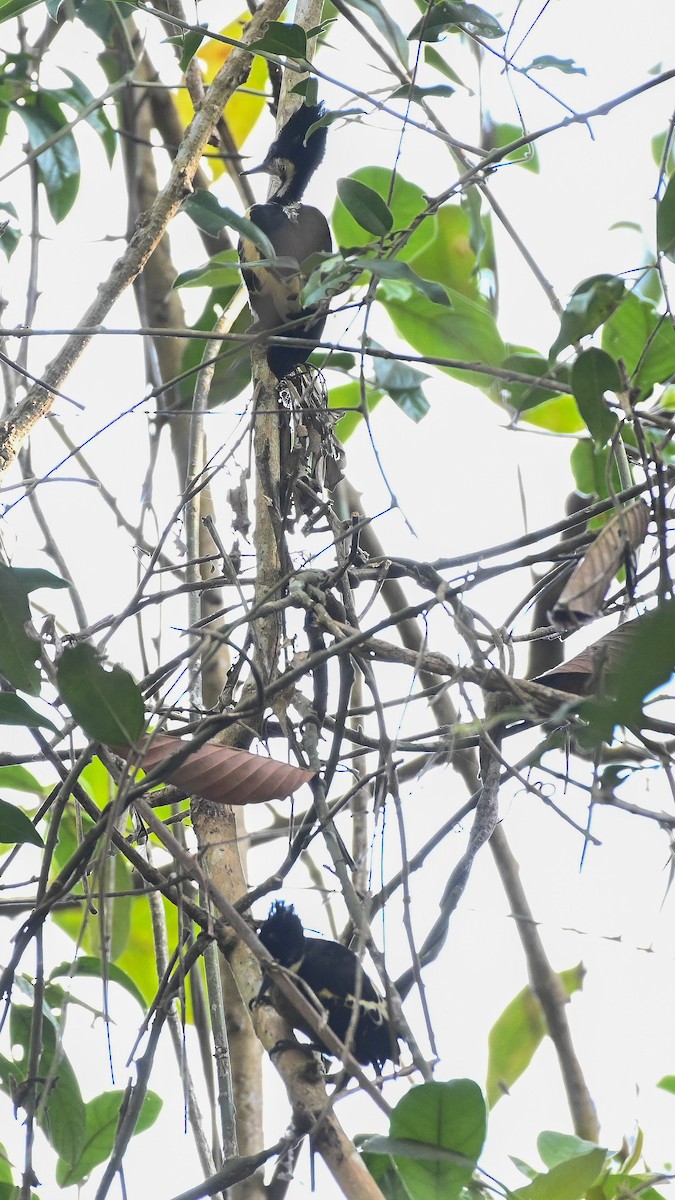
(223, 775)
(580, 676)
(581, 600)
(314, 459)
(237, 498)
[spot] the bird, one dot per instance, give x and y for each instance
(335, 975)
(296, 231)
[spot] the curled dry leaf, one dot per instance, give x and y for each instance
(581, 599)
(237, 497)
(581, 675)
(221, 774)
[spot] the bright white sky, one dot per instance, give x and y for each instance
(456, 479)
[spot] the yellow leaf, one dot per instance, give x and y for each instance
(243, 110)
(559, 415)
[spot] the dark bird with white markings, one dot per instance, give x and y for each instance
(295, 231)
(336, 977)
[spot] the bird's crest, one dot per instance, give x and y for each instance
(293, 156)
(282, 933)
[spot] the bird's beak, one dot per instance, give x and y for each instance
(255, 170)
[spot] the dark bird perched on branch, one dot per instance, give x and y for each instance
(296, 231)
(336, 976)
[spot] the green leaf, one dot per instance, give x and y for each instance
(649, 286)
(106, 702)
(15, 711)
(99, 784)
(8, 1070)
(386, 25)
(413, 93)
(339, 360)
(667, 1083)
(103, 19)
(644, 340)
(120, 915)
(450, 17)
(630, 225)
(10, 234)
(189, 41)
(13, 8)
(556, 1148)
(466, 331)
(329, 274)
(308, 88)
(594, 469)
(33, 578)
(136, 957)
(391, 268)
(53, 7)
(447, 1116)
(560, 415)
(61, 1117)
(407, 1148)
(91, 967)
(349, 396)
(502, 134)
(405, 201)
(123, 910)
(513, 1039)
(618, 1187)
(647, 662)
(385, 1173)
(589, 306)
(366, 207)
(318, 31)
(524, 1168)
(665, 221)
(59, 999)
(436, 60)
(218, 273)
(16, 827)
(593, 374)
(9, 239)
(280, 38)
(6, 1175)
(569, 1180)
(522, 396)
(101, 1120)
(18, 779)
(448, 257)
(658, 149)
(517, 1034)
(204, 209)
(404, 384)
(18, 651)
(481, 236)
(79, 96)
(566, 65)
(12, 1191)
(59, 165)
(232, 372)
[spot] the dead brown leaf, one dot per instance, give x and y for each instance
(579, 676)
(581, 599)
(221, 774)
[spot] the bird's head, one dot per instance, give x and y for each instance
(293, 157)
(282, 934)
